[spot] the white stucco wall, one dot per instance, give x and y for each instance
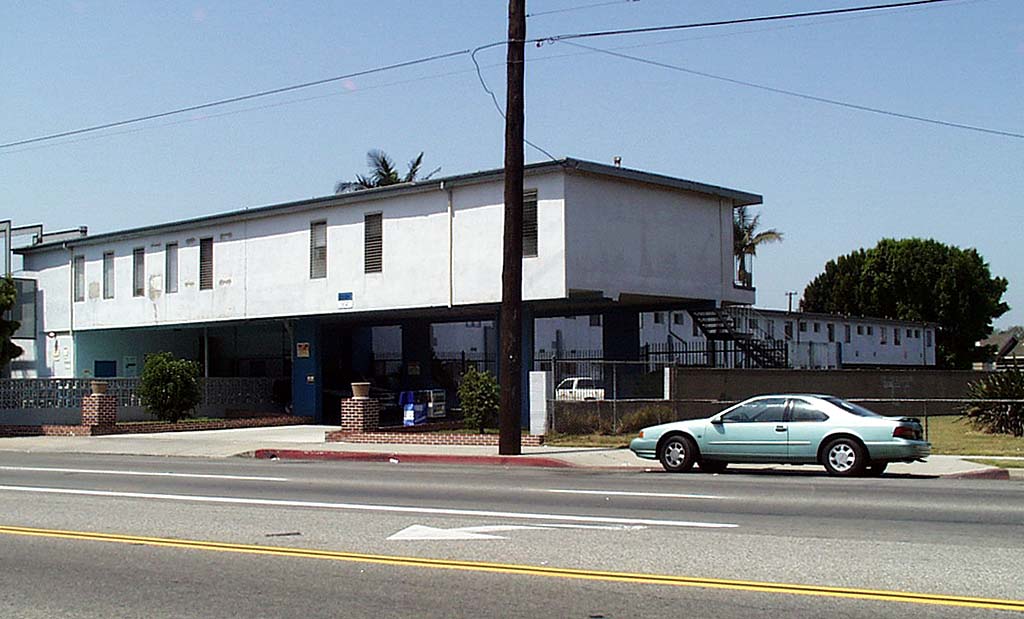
(634, 238)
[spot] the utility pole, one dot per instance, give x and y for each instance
(511, 377)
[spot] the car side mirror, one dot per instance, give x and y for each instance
(717, 421)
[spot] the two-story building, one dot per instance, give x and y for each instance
(294, 290)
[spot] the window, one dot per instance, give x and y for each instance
(803, 326)
(659, 318)
(882, 339)
(909, 334)
(871, 330)
(817, 327)
(108, 275)
(318, 250)
(860, 329)
(831, 332)
(803, 411)
(595, 320)
(206, 264)
(678, 318)
(696, 329)
(769, 410)
(373, 243)
(78, 268)
(850, 407)
(928, 338)
(788, 329)
(138, 271)
(530, 224)
(171, 267)
(895, 336)
(771, 329)
(917, 334)
(846, 333)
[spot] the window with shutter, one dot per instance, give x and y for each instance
(138, 272)
(373, 257)
(171, 267)
(108, 275)
(78, 266)
(318, 250)
(530, 224)
(206, 264)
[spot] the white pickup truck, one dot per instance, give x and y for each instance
(579, 388)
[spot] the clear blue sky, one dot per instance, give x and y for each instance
(833, 179)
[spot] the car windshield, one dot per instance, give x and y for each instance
(850, 407)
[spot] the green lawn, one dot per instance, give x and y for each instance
(948, 435)
(952, 435)
(1003, 464)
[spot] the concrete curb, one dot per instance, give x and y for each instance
(396, 458)
(989, 473)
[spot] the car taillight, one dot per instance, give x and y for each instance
(907, 432)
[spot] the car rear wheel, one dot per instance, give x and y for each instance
(713, 466)
(845, 457)
(875, 469)
(677, 453)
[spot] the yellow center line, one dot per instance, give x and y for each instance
(531, 570)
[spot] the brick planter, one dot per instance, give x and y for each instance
(147, 428)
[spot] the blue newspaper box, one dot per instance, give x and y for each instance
(414, 412)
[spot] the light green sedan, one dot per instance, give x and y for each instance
(846, 438)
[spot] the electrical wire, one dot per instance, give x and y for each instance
(792, 93)
(580, 8)
(730, 22)
(255, 95)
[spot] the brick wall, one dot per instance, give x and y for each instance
(360, 415)
(146, 428)
(425, 438)
(99, 409)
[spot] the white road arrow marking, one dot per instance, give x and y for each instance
(419, 532)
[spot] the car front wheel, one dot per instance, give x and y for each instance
(845, 457)
(677, 454)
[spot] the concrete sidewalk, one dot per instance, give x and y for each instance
(307, 443)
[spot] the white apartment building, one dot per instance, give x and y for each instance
(295, 290)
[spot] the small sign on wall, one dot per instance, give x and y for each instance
(345, 300)
(131, 366)
(302, 350)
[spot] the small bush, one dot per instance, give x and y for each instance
(169, 387)
(993, 417)
(650, 416)
(478, 394)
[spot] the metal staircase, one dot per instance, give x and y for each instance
(720, 325)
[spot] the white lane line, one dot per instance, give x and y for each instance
(40, 469)
(660, 495)
(401, 509)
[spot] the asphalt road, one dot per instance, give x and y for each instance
(92, 536)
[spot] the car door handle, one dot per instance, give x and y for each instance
(780, 428)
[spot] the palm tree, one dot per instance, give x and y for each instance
(382, 173)
(746, 239)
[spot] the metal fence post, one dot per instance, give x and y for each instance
(615, 397)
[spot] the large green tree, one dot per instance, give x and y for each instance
(916, 279)
(747, 237)
(383, 172)
(8, 297)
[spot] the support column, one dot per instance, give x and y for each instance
(99, 410)
(620, 339)
(528, 338)
(307, 372)
(417, 354)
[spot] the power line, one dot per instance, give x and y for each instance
(729, 22)
(264, 93)
(580, 8)
(792, 93)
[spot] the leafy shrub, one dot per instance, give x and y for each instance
(169, 387)
(649, 416)
(993, 417)
(478, 393)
